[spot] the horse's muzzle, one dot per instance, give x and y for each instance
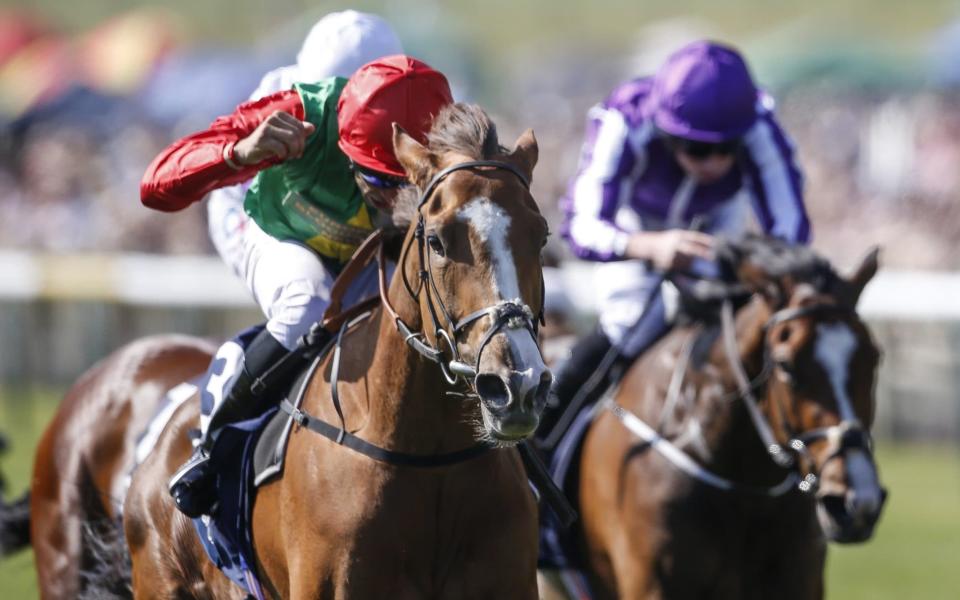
(843, 523)
(513, 402)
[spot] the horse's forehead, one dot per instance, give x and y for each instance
(488, 220)
(500, 195)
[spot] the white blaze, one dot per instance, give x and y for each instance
(491, 224)
(835, 346)
(834, 349)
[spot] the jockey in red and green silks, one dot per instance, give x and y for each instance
(322, 160)
(337, 45)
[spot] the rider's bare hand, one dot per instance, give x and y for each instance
(670, 249)
(281, 136)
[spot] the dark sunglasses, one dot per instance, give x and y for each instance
(702, 150)
(378, 180)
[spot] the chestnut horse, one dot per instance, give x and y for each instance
(85, 455)
(466, 292)
(723, 464)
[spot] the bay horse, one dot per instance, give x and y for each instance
(466, 373)
(693, 472)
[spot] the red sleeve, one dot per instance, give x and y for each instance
(192, 167)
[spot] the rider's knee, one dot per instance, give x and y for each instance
(298, 305)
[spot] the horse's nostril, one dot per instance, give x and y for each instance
(540, 393)
(493, 391)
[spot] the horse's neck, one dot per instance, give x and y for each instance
(749, 327)
(734, 446)
(404, 395)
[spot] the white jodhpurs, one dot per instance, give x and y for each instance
(287, 279)
(292, 285)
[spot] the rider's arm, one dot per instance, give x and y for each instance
(606, 160)
(193, 166)
(777, 181)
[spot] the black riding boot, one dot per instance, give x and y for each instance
(193, 486)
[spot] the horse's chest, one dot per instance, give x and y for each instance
(418, 539)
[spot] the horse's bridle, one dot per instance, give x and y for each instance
(850, 433)
(511, 314)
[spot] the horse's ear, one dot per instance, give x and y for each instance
(525, 152)
(862, 275)
(414, 157)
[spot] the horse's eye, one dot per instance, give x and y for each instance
(435, 244)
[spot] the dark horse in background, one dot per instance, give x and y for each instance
(338, 524)
(693, 472)
(14, 516)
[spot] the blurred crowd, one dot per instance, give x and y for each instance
(882, 165)
(70, 189)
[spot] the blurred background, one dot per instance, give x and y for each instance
(91, 90)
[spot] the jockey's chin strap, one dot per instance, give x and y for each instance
(510, 314)
(848, 433)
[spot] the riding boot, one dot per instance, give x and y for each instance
(266, 363)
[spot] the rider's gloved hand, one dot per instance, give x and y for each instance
(281, 136)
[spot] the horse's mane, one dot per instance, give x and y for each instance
(770, 259)
(777, 259)
(460, 128)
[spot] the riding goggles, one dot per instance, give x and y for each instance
(379, 180)
(702, 150)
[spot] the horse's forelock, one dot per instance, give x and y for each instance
(464, 129)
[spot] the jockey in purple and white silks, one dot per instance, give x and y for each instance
(670, 161)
